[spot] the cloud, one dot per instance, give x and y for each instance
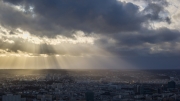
(149, 36)
(59, 16)
(146, 49)
(156, 12)
(20, 40)
(161, 41)
(91, 28)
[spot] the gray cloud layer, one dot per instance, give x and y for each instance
(99, 16)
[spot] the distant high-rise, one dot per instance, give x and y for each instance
(89, 96)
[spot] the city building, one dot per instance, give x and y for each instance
(89, 96)
(11, 97)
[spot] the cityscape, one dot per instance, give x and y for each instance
(89, 85)
(89, 50)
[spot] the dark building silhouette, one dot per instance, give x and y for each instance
(171, 84)
(139, 89)
(89, 96)
(159, 90)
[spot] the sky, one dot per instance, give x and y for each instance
(89, 34)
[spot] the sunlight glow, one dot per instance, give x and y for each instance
(25, 35)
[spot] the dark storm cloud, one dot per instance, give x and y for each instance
(99, 16)
(148, 36)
